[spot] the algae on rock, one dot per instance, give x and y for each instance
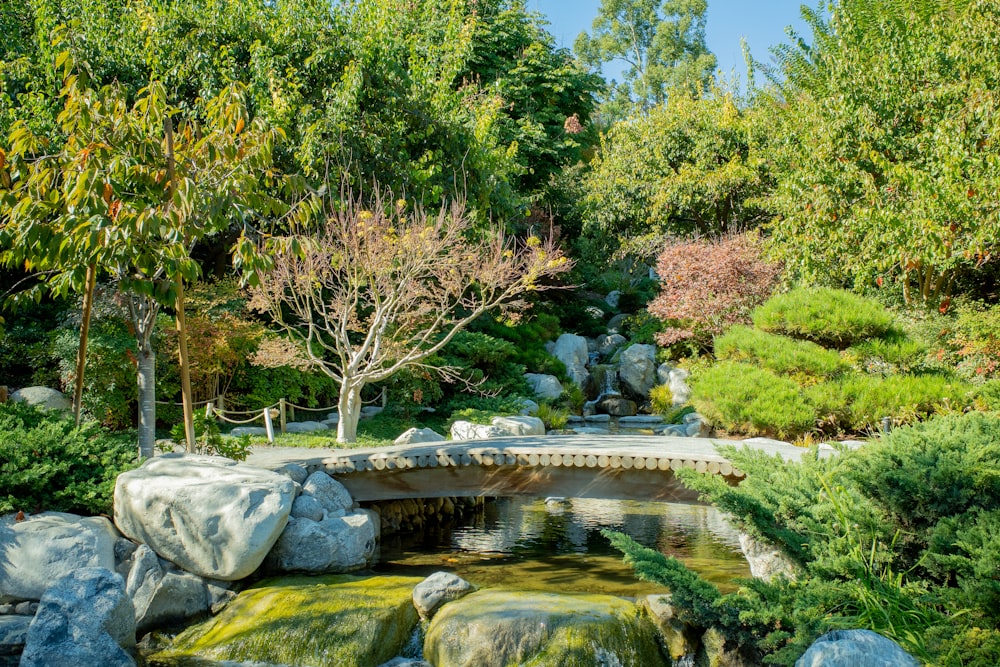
(497, 628)
(342, 620)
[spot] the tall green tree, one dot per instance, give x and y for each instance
(886, 153)
(662, 43)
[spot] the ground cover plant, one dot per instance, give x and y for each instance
(898, 537)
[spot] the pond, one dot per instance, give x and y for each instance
(557, 546)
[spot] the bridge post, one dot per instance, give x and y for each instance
(268, 426)
(282, 414)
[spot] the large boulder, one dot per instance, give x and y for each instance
(572, 351)
(606, 345)
(43, 397)
(496, 628)
(679, 638)
(463, 430)
(677, 380)
(84, 618)
(339, 620)
(335, 544)
(13, 635)
(305, 427)
(855, 648)
(766, 560)
(520, 425)
(418, 435)
(329, 493)
(36, 552)
(637, 370)
(544, 386)
(209, 515)
(616, 406)
(436, 590)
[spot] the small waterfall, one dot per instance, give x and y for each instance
(606, 380)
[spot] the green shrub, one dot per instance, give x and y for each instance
(905, 398)
(752, 401)
(662, 399)
(896, 353)
(901, 537)
(552, 416)
(779, 354)
(831, 317)
(46, 463)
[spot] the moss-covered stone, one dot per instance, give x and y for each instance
(340, 620)
(498, 628)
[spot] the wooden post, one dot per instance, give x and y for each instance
(208, 411)
(3, 393)
(81, 354)
(282, 415)
(268, 425)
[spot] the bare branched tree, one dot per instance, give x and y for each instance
(381, 287)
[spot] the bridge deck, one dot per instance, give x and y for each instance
(582, 466)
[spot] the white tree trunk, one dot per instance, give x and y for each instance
(349, 408)
(147, 402)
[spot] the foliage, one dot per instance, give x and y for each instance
(707, 286)
(888, 146)
(785, 356)
(46, 463)
(553, 417)
(528, 335)
(972, 341)
(830, 317)
(25, 346)
(693, 165)
(899, 537)
(480, 409)
(895, 352)
(662, 400)
(379, 288)
(746, 399)
(209, 440)
(663, 44)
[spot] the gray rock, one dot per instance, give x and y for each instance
(13, 634)
(855, 648)
(572, 351)
(766, 561)
(519, 425)
(576, 419)
(241, 431)
(307, 507)
(329, 493)
(43, 548)
(529, 408)
(679, 638)
(436, 590)
(400, 661)
(597, 419)
(26, 608)
(677, 382)
(161, 597)
(85, 618)
(544, 386)
(294, 472)
(336, 544)
(590, 430)
(333, 417)
(613, 297)
(641, 420)
(637, 370)
(209, 515)
(305, 427)
(663, 373)
(331, 424)
(43, 397)
(369, 411)
(418, 435)
(616, 406)
(606, 345)
(615, 324)
(463, 430)
(672, 430)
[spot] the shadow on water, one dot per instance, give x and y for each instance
(557, 545)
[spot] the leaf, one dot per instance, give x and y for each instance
(239, 126)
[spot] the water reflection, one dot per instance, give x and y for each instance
(556, 545)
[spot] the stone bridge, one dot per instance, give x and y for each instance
(631, 467)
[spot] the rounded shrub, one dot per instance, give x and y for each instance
(831, 317)
(780, 354)
(752, 401)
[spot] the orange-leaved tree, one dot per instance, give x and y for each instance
(380, 287)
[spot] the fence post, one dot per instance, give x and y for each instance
(282, 415)
(220, 403)
(3, 393)
(268, 426)
(208, 411)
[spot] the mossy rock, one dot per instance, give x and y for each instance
(498, 628)
(338, 620)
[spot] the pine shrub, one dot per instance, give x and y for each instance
(831, 317)
(779, 354)
(746, 399)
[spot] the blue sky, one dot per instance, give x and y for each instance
(761, 22)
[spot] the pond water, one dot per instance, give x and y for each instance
(557, 546)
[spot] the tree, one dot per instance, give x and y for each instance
(690, 166)
(381, 288)
(887, 143)
(662, 42)
(129, 195)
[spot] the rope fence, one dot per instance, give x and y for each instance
(283, 411)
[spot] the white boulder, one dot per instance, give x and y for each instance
(335, 544)
(418, 435)
(209, 515)
(332, 496)
(162, 596)
(36, 552)
(437, 589)
(606, 345)
(572, 351)
(855, 648)
(678, 386)
(520, 425)
(43, 397)
(305, 427)
(463, 430)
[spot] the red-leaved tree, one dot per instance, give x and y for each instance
(709, 285)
